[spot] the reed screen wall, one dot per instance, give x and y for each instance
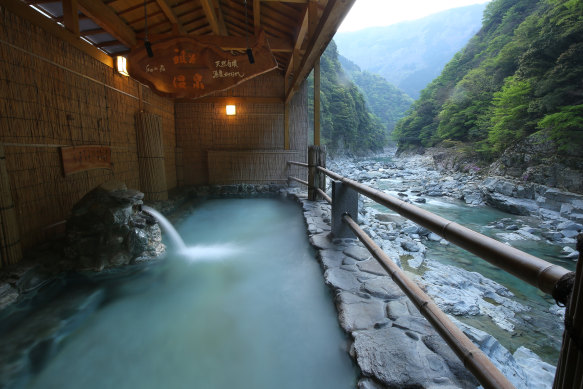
(249, 147)
(53, 95)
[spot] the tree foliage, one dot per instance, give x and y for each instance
(521, 73)
(345, 121)
(385, 100)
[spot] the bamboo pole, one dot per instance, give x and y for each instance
(472, 357)
(528, 268)
(10, 248)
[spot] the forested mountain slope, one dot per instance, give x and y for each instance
(522, 74)
(346, 123)
(385, 100)
(411, 54)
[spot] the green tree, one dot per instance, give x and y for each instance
(510, 117)
(522, 69)
(346, 123)
(565, 128)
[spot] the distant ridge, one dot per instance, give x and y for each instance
(411, 54)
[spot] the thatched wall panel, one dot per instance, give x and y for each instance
(298, 128)
(203, 128)
(53, 95)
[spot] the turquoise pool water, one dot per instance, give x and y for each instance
(245, 306)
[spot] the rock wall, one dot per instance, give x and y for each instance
(536, 160)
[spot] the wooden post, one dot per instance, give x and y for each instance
(569, 373)
(316, 157)
(151, 156)
(10, 249)
(317, 103)
(321, 176)
(71, 16)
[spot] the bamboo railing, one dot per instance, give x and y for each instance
(535, 271)
(529, 268)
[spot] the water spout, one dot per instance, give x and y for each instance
(174, 236)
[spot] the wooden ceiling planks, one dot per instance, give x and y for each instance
(298, 30)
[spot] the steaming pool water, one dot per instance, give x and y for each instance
(243, 306)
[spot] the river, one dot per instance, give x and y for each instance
(540, 327)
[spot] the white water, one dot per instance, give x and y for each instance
(167, 227)
(196, 252)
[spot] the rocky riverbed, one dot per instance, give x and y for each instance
(371, 307)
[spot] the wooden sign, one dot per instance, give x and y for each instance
(183, 67)
(81, 158)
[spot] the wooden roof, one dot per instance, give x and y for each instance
(298, 31)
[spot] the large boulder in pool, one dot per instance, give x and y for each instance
(107, 228)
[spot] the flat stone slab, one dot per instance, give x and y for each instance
(398, 308)
(321, 241)
(341, 279)
(331, 258)
(382, 288)
(399, 359)
(357, 252)
(359, 313)
(371, 266)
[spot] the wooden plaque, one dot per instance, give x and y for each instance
(182, 67)
(81, 158)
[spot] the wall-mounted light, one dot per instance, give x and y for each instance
(231, 110)
(122, 65)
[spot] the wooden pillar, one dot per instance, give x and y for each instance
(10, 249)
(316, 157)
(71, 16)
(317, 103)
(151, 156)
(569, 373)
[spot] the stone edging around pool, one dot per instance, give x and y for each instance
(393, 345)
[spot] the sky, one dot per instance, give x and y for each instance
(374, 13)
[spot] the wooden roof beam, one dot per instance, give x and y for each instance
(257, 14)
(214, 16)
(71, 16)
(334, 13)
(108, 19)
(163, 4)
(26, 12)
(295, 58)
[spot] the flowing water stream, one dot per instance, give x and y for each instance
(539, 329)
(241, 305)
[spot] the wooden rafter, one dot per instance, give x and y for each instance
(257, 14)
(108, 19)
(170, 15)
(71, 16)
(214, 17)
(53, 28)
(294, 61)
(332, 16)
(291, 26)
